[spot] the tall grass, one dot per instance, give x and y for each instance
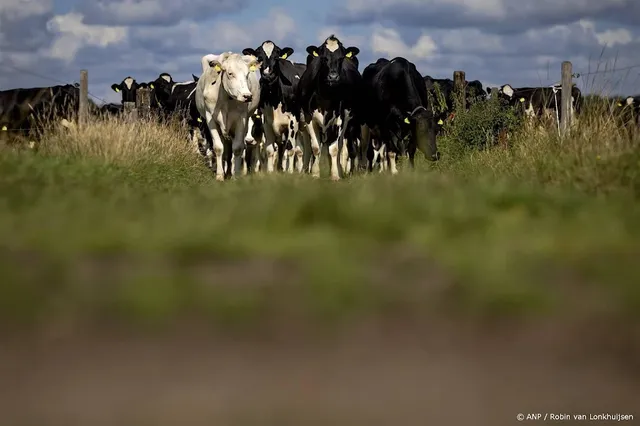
(122, 219)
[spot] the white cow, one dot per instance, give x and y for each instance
(227, 93)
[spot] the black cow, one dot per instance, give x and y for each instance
(128, 88)
(110, 109)
(441, 91)
(535, 101)
(329, 98)
(278, 84)
(28, 111)
(397, 106)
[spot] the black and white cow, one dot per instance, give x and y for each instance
(25, 112)
(625, 110)
(128, 88)
(539, 101)
(328, 94)
(279, 79)
(170, 98)
(397, 106)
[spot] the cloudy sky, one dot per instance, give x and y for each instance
(521, 42)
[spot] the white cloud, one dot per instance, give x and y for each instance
(388, 41)
(72, 34)
(21, 9)
(612, 37)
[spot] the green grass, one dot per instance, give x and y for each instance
(122, 222)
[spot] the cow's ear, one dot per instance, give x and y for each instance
(249, 51)
(286, 52)
(115, 87)
(352, 52)
(312, 50)
(194, 78)
(216, 65)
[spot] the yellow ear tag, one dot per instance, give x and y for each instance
(257, 115)
(619, 104)
(406, 120)
(315, 53)
(199, 120)
(348, 55)
(117, 90)
(252, 68)
(152, 86)
(284, 56)
(217, 67)
(440, 122)
(521, 99)
(4, 128)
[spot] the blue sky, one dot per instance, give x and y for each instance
(520, 42)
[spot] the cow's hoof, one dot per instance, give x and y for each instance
(316, 175)
(220, 178)
(335, 178)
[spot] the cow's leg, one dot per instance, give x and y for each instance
(364, 153)
(269, 139)
(344, 157)
(238, 146)
(244, 162)
(218, 150)
(383, 157)
(313, 130)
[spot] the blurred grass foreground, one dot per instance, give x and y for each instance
(121, 221)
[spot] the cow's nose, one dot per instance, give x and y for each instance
(248, 98)
(333, 76)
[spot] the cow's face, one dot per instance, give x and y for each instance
(331, 55)
(236, 70)
(161, 87)
(254, 129)
(127, 88)
(269, 55)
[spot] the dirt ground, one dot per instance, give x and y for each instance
(371, 374)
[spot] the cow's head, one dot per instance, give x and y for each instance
(235, 70)
(331, 56)
(270, 55)
(255, 128)
(475, 92)
(161, 87)
(128, 88)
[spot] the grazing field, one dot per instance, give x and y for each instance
(120, 226)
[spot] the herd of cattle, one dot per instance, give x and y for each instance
(283, 117)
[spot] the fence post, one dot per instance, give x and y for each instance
(83, 105)
(458, 88)
(565, 107)
(143, 102)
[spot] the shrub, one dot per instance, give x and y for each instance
(480, 125)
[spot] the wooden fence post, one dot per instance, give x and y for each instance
(458, 88)
(83, 105)
(143, 102)
(565, 107)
